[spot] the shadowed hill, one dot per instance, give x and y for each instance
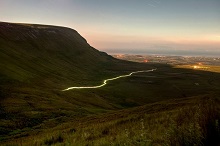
(46, 53)
(37, 62)
(58, 56)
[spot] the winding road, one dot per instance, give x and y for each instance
(105, 81)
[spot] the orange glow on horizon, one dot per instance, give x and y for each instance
(105, 40)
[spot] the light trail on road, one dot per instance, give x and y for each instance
(105, 81)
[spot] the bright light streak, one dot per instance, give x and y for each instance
(105, 81)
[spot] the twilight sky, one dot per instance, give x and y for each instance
(127, 25)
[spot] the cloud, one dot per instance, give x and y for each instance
(151, 5)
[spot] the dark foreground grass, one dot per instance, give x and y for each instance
(182, 122)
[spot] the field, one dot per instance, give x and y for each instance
(162, 107)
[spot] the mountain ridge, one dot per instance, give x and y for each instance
(34, 43)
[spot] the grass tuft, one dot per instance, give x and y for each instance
(54, 140)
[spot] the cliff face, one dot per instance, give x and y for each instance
(41, 37)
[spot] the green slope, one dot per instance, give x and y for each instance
(37, 62)
(38, 52)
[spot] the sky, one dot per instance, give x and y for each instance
(128, 26)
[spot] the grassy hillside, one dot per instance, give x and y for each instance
(179, 122)
(38, 61)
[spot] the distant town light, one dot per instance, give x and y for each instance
(119, 56)
(199, 67)
(195, 67)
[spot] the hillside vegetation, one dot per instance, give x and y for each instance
(188, 121)
(37, 62)
(169, 106)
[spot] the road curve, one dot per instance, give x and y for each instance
(105, 81)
